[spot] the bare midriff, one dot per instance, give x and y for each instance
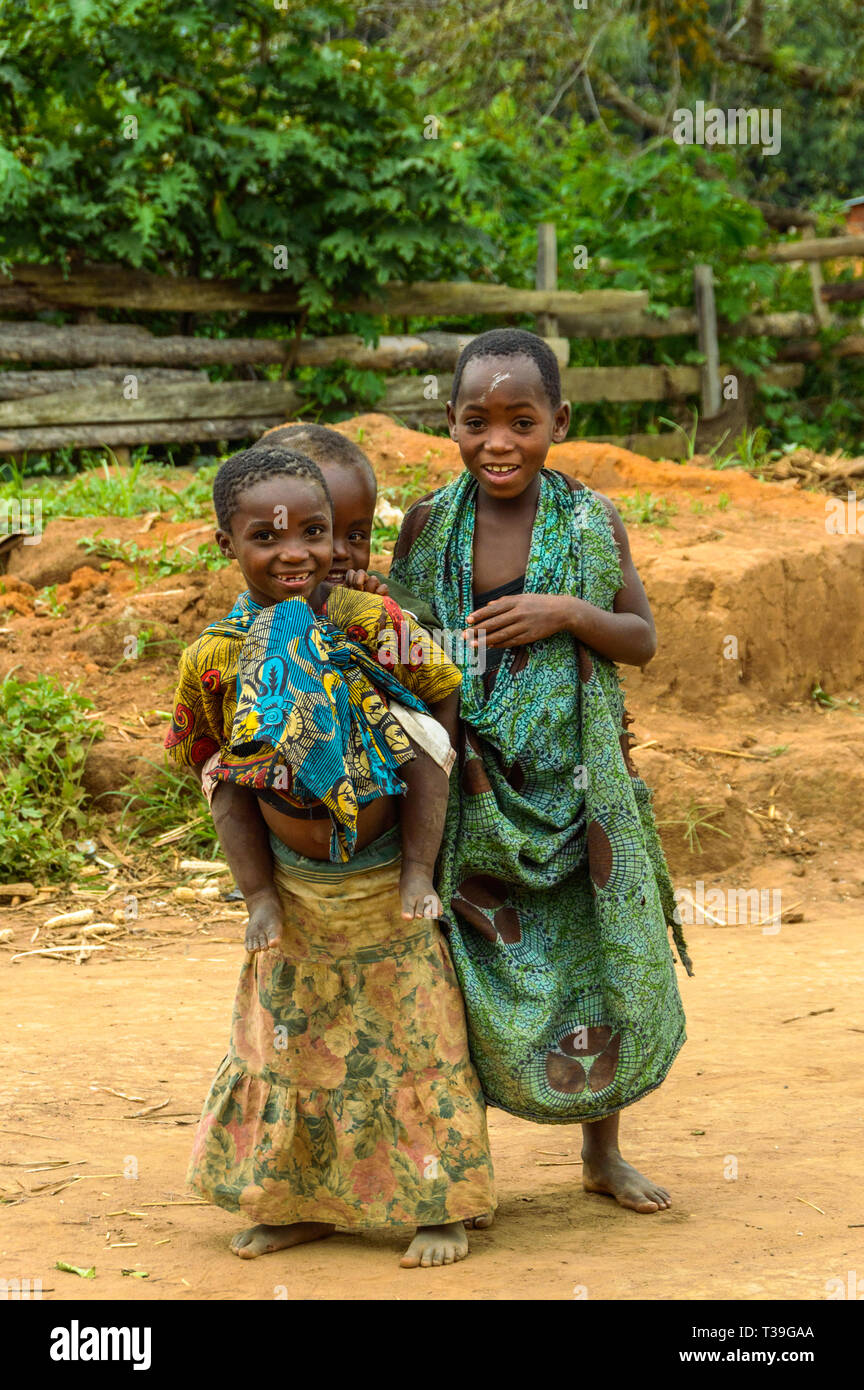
(312, 837)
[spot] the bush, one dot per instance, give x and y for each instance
(43, 746)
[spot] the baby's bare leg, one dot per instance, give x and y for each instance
(424, 807)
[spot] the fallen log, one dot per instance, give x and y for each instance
(585, 385)
(107, 286)
(42, 438)
(104, 405)
(18, 385)
(826, 248)
(847, 291)
(809, 350)
(36, 342)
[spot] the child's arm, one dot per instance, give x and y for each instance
(245, 843)
(244, 838)
(627, 634)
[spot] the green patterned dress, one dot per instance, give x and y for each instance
(551, 873)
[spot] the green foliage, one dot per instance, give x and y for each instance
(43, 745)
(167, 802)
(151, 564)
(338, 390)
(696, 816)
(643, 509)
(750, 451)
(97, 491)
(826, 701)
(204, 137)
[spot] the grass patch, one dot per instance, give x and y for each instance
(826, 701)
(166, 804)
(152, 564)
(102, 491)
(43, 746)
(644, 509)
(699, 815)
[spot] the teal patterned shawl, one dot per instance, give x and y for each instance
(552, 874)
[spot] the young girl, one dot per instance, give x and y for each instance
(347, 1098)
(551, 871)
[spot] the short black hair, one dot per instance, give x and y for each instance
(513, 342)
(252, 466)
(323, 446)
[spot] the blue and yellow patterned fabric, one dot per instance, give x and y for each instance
(296, 704)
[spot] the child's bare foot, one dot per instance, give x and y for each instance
(436, 1245)
(263, 1240)
(418, 895)
(609, 1173)
(264, 928)
(478, 1223)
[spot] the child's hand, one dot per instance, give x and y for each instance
(522, 618)
(367, 583)
(264, 928)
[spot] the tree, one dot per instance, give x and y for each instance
(216, 138)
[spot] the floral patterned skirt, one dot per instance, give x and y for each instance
(348, 1094)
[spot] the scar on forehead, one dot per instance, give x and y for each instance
(498, 378)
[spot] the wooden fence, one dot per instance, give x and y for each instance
(121, 385)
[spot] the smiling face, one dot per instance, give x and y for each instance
(354, 496)
(281, 536)
(504, 422)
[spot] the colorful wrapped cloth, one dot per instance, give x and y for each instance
(551, 872)
(297, 706)
(348, 1094)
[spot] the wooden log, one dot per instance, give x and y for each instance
(650, 446)
(608, 327)
(821, 312)
(425, 298)
(104, 405)
(546, 275)
(827, 248)
(586, 385)
(43, 438)
(17, 385)
(37, 342)
(780, 325)
(847, 291)
(706, 314)
(810, 349)
(106, 286)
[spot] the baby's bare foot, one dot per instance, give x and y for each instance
(436, 1245)
(609, 1173)
(417, 892)
(263, 1240)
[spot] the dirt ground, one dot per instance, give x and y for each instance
(781, 1100)
(757, 786)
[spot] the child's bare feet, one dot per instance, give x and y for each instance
(263, 1240)
(436, 1245)
(264, 928)
(609, 1173)
(417, 892)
